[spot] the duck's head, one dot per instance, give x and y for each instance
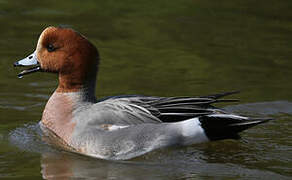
(66, 52)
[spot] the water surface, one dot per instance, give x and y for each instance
(163, 48)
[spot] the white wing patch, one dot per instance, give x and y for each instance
(111, 127)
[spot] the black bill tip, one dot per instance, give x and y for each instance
(16, 64)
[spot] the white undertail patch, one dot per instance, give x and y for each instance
(193, 132)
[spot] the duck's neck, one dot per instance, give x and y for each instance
(84, 90)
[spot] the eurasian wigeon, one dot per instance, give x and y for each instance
(120, 127)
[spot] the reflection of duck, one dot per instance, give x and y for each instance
(120, 127)
(60, 165)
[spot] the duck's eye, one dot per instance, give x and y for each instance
(51, 48)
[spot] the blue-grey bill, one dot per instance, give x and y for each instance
(30, 60)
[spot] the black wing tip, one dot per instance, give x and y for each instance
(227, 100)
(220, 95)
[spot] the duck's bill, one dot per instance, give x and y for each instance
(30, 60)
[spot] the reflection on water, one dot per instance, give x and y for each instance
(65, 165)
(256, 156)
(62, 165)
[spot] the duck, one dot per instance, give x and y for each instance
(119, 127)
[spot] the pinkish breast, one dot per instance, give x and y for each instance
(57, 116)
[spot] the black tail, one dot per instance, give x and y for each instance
(226, 126)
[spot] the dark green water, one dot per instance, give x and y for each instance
(165, 48)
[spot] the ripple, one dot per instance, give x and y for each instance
(28, 138)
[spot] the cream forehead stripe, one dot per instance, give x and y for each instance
(39, 44)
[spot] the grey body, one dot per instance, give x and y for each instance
(121, 129)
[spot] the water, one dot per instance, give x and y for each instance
(163, 48)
